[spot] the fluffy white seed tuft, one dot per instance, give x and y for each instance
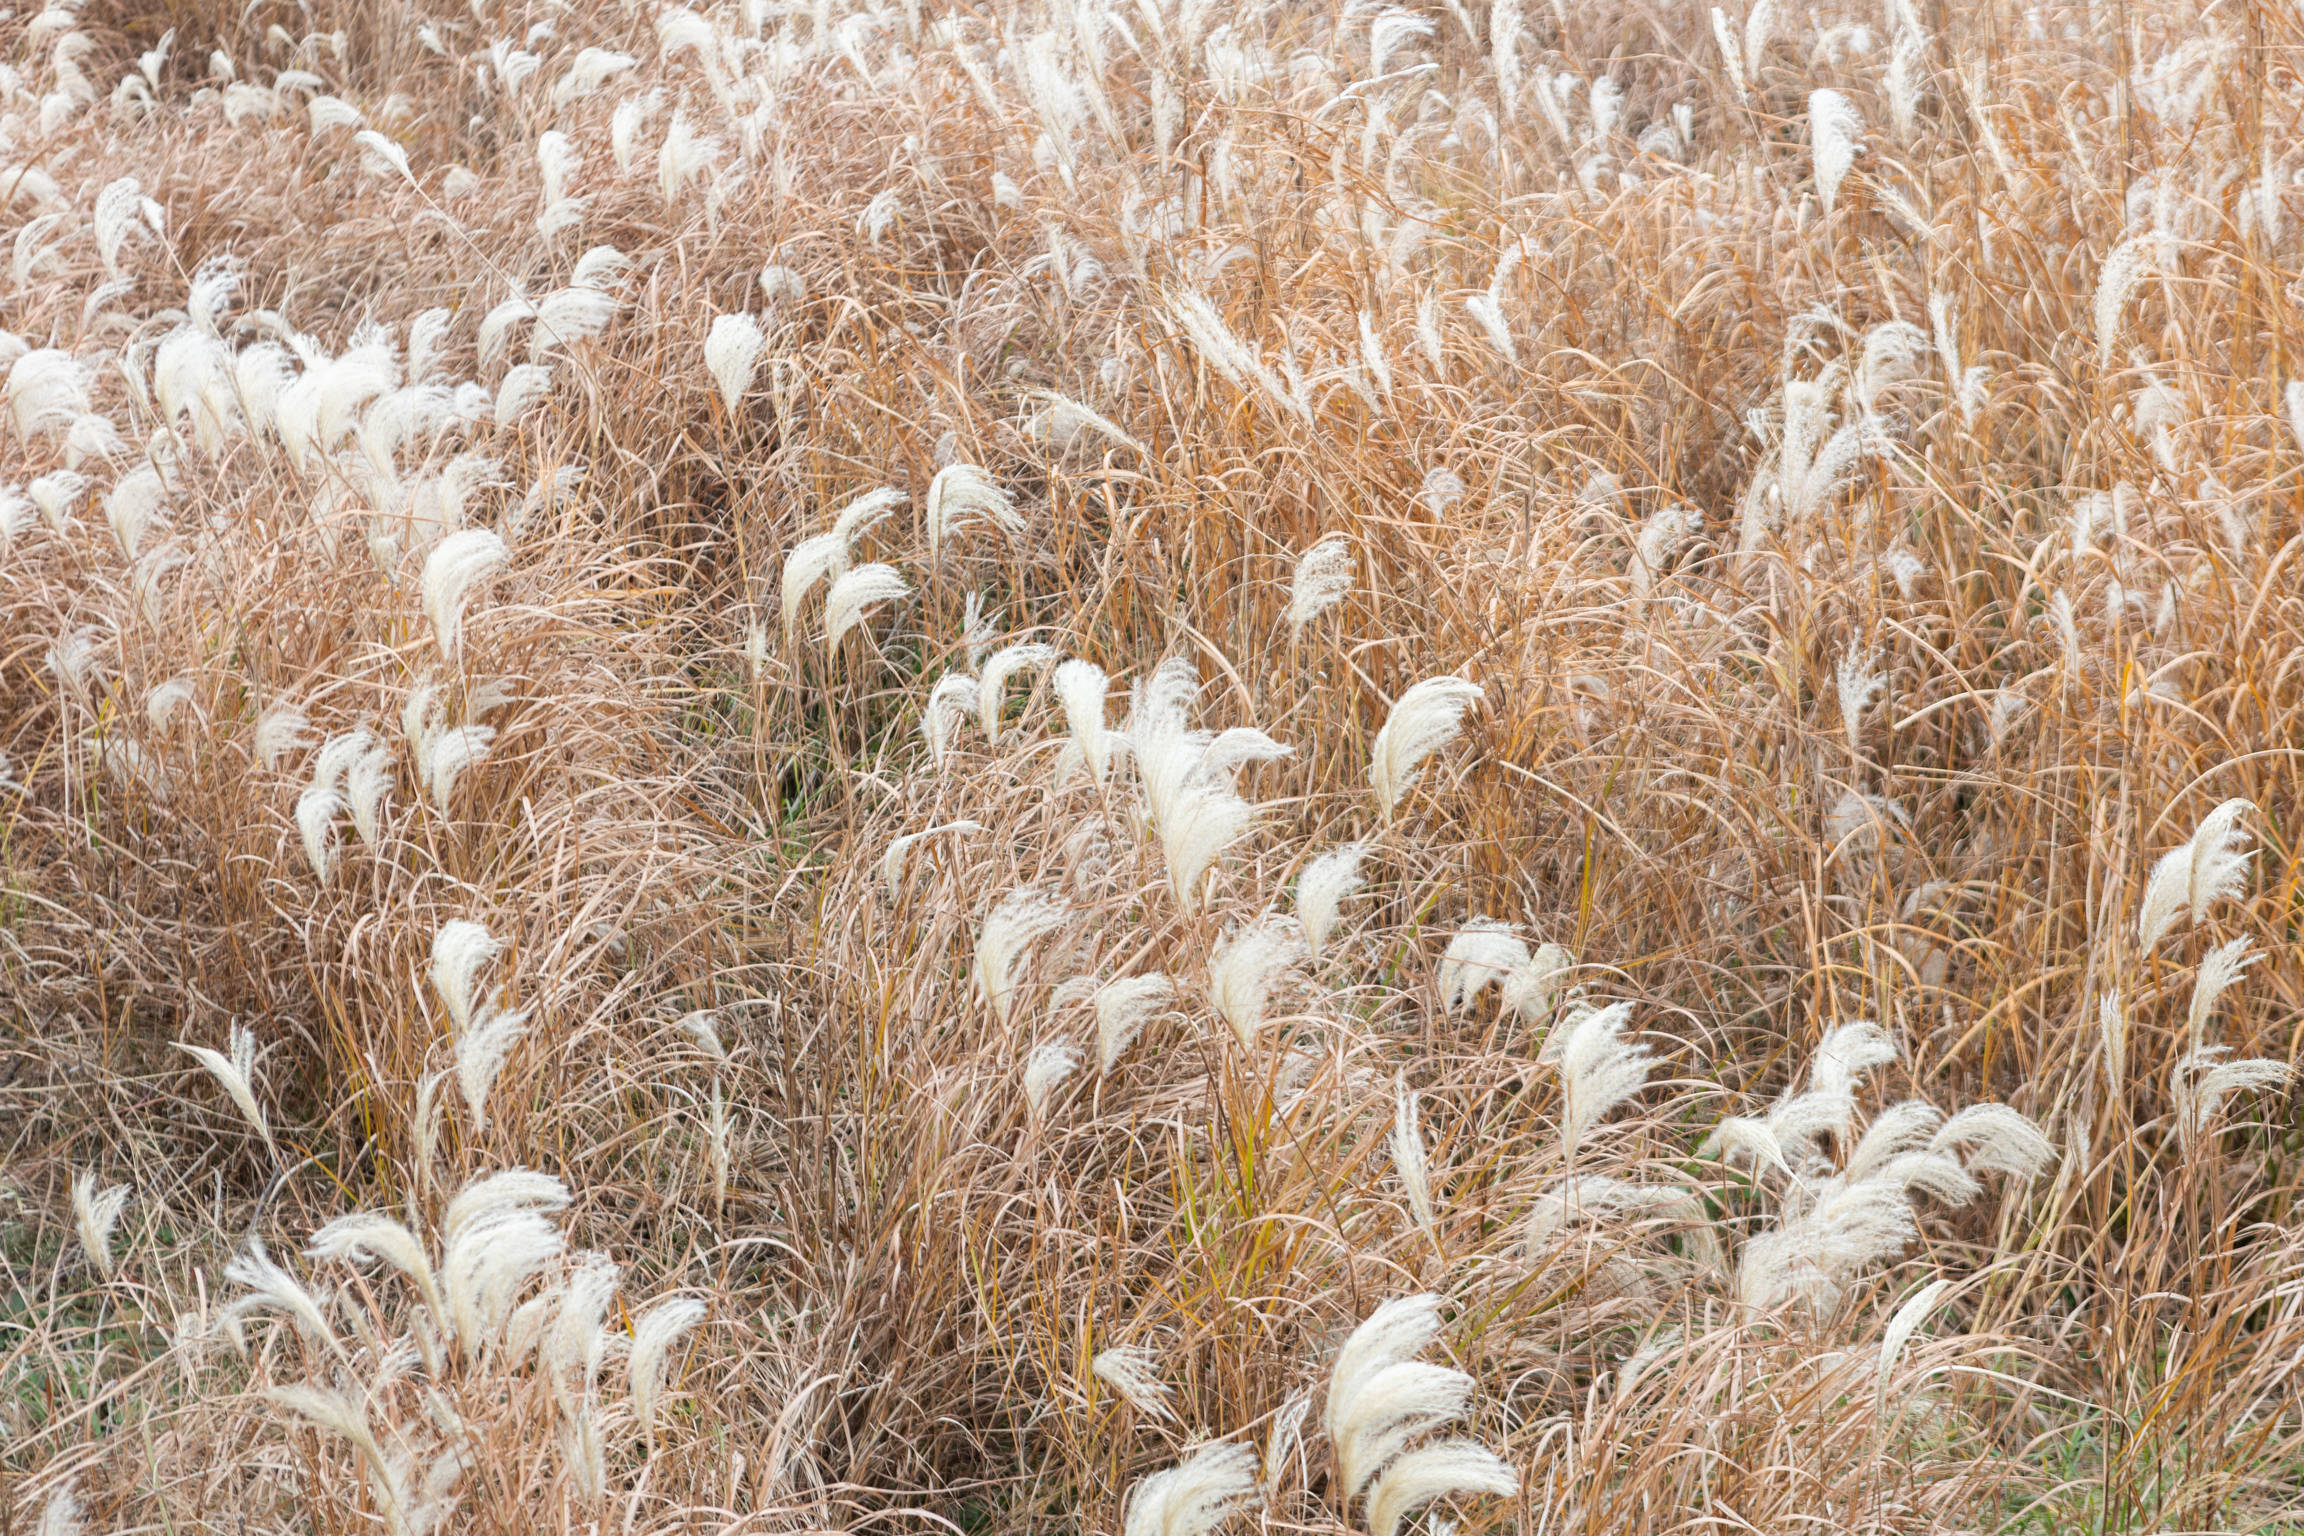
(1427, 717)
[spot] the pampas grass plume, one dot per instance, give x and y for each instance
(1483, 953)
(94, 1214)
(732, 355)
(1409, 1163)
(1047, 1068)
(653, 1336)
(1023, 918)
(1324, 575)
(1080, 688)
(1430, 1472)
(1135, 1375)
(1321, 889)
(235, 1068)
(992, 686)
(1123, 1008)
(1427, 717)
(1194, 1498)
(1243, 969)
(2196, 874)
(1835, 138)
(1599, 1069)
(459, 949)
(864, 587)
(456, 565)
(962, 494)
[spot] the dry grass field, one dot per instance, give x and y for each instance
(1141, 766)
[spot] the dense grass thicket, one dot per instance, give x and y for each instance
(1137, 766)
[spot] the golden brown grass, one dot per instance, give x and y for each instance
(2080, 583)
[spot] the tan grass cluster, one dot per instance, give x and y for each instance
(1146, 768)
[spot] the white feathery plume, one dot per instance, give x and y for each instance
(948, 704)
(899, 850)
(2200, 1082)
(1379, 1399)
(235, 1069)
(459, 949)
(1408, 1160)
(992, 686)
(55, 492)
(271, 1286)
(1123, 1008)
(1243, 969)
(47, 391)
(481, 1052)
(1135, 1375)
(2292, 396)
(2112, 1022)
(1846, 1053)
(732, 355)
(380, 155)
(594, 67)
(2123, 272)
(161, 704)
(455, 566)
(807, 563)
(1442, 489)
(1759, 31)
(366, 1235)
(325, 112)
(1483, 953)
(1321, 889)
(2225, 965)
(1204, 819)
(1835, 138)
(962, 494)
(1427, 717)
(1023, 918)
(1859, 685)
(1161, 738)
(1488, 307)
(339, 1414)
(1585, 1197)
(1429, 1472)
(280, 730)
(496, 325)
(1810, 1256)
(864, 587)
(653, 1335)
(1901, 1327)
(1324, 575)
(1897, 1129)
(450, 755)
(1999, 1140)
(1599, 1069)
(135, 499)
(525, 386)
(602, 267)
(1530, 990)
(574, 1345)
(60, 1516)
(2196, 874)
(494, 1239)
(427, 339)
(570, 315)
(1046, 1068)
(367, 784)
(624, 126)
(94, 1214)
(703, 1026)
(1196, 1497)
(1662, 532)
(1080, 688)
